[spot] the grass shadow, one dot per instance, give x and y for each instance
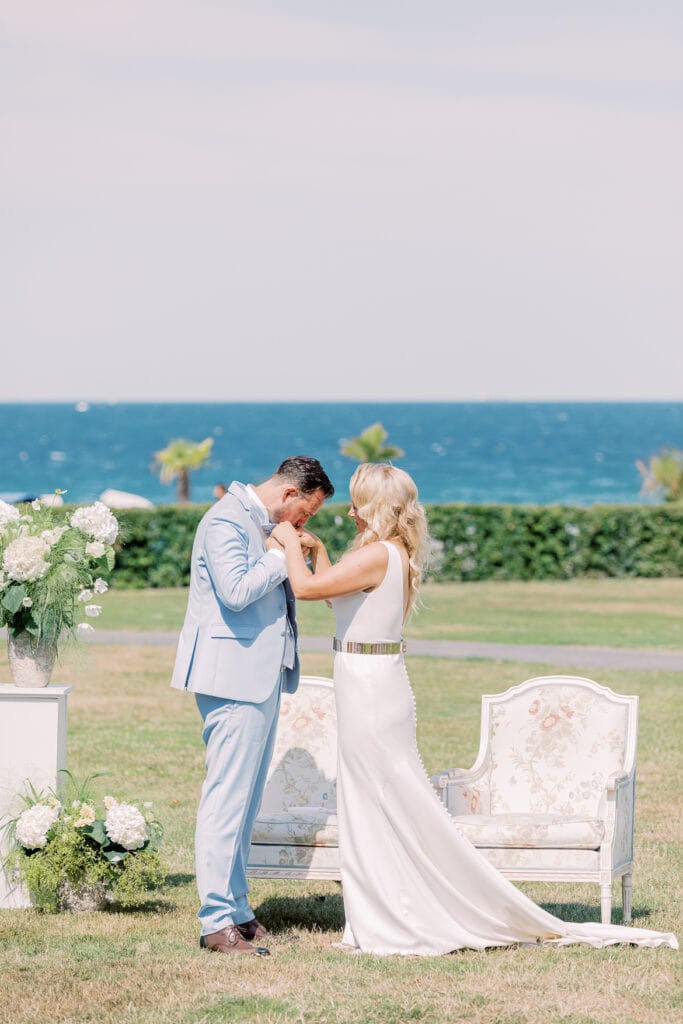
(589, 913)
(179, 878)
(312, 913)
(159, 907)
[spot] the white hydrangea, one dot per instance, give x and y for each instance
(24, 559)
(8, 514)
(100, 586)
(93, 610)
(86, 815)
(126, 826)
(34, 824)
(84, 627)
(94, 548)
(85, 595)
(97, 521)
(54, 535)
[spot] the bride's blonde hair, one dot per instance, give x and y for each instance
(386, 498)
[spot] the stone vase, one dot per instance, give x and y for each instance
(30, 661)
(82, 899)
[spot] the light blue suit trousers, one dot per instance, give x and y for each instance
(239, 738)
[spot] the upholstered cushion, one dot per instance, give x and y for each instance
(522, 862)
(300, 826)
(309, 861)
(532, 830)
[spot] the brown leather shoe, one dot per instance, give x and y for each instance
(253, 929)
(229, 940)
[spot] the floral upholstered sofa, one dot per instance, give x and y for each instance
(295, 834)
(551, 795)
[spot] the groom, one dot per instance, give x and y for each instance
(236, 652)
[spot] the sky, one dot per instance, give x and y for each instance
(349, 200)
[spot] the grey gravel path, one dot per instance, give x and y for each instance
(570, 655)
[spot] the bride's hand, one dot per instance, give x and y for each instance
(309, 541)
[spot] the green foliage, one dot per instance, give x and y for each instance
(473, 542)
(76, 849)
(512, 542)
(664, 474)
(156, 546)
(369, 446)
(69, 857)
(137, 876)
(179, 457)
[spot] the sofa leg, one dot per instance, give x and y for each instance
(606, 902)
(626, 896)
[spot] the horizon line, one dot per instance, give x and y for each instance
(475, 400)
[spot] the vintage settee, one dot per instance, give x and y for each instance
(551, 794)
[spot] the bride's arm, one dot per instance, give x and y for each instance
(357, 570)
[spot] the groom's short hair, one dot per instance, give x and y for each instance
(306, 473)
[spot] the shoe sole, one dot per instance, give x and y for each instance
(255, 950)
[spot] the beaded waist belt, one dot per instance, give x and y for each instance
(373, 647)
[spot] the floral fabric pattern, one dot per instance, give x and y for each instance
(552, 752)
(300, 800)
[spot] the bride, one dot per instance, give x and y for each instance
(412, 883)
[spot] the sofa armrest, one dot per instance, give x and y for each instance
(464, 792)
(617, 808)
(617, 780)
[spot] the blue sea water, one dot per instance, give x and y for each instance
(520, 452)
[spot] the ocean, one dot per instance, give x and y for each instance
(579, 453)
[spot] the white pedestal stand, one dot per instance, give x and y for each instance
(32, 748)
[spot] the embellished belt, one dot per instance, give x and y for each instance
(372, 647)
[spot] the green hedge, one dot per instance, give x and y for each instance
(472, 542)
(512, 542)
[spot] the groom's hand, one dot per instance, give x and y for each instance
(283, 532)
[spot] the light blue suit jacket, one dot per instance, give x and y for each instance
(232, 642)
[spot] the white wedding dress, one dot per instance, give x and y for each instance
(412, 883)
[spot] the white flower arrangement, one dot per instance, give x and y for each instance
(51, 565)
(60, 844)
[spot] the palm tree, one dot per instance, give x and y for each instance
(177, 459)
(664, 472)
(369, 446)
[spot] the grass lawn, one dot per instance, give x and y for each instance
(604, 613)
(145, 967)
